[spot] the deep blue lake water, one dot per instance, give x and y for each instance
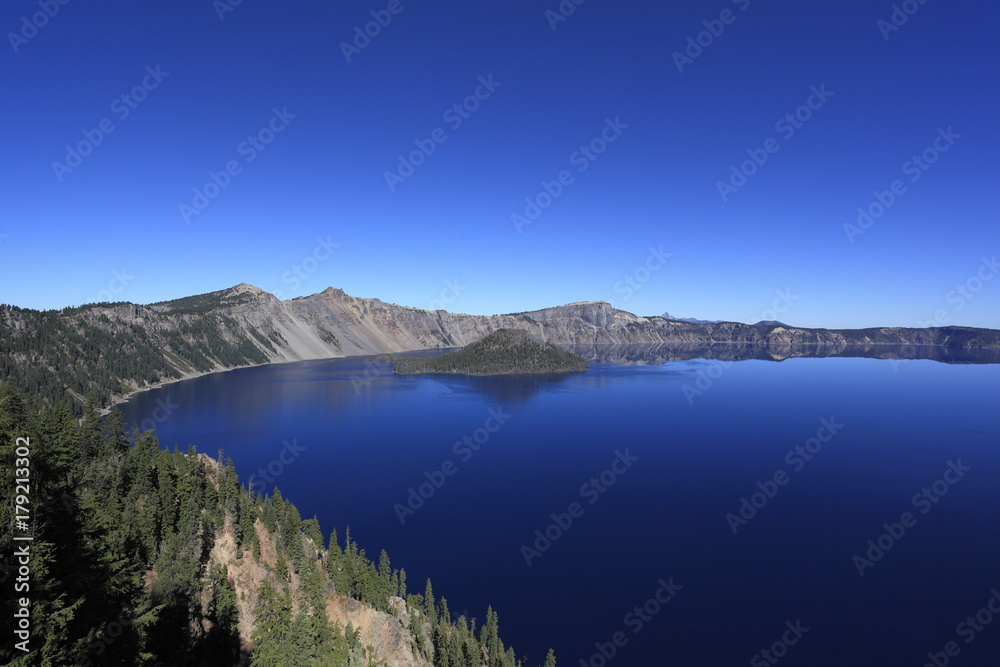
(877, 442)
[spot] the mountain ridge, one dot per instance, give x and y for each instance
(68, 353)
(693, 320)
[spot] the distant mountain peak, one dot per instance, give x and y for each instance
(590, 303)
(692, 320)
(247, 288)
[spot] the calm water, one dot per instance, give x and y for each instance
(363, 438)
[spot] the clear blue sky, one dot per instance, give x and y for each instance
(656, 185)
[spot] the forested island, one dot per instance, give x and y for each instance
(503, 352)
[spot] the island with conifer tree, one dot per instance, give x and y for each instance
(503, 352)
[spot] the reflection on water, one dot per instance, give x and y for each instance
(505, 389)
(659, 353)
(249, 397)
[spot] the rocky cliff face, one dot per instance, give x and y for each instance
(332, 323)
(388, 635)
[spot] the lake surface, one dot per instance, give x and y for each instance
(673, 449)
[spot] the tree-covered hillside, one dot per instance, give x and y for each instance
(109, 349)
(143, 556)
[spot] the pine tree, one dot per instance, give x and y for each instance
(429, 607)
(385, 589)
(334, 546)
(301, 649)
(91, 435)
(310, 527)
(273, 620)
(115, 440)
(223, 641)
(489, 639)
(255, 546)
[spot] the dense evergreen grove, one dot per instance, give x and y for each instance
(60, 355)
(501, 352)
(122, 571)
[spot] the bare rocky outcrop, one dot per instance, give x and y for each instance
(388, 635)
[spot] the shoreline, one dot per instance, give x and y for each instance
(119, 399)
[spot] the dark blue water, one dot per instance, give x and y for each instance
(891, 431)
